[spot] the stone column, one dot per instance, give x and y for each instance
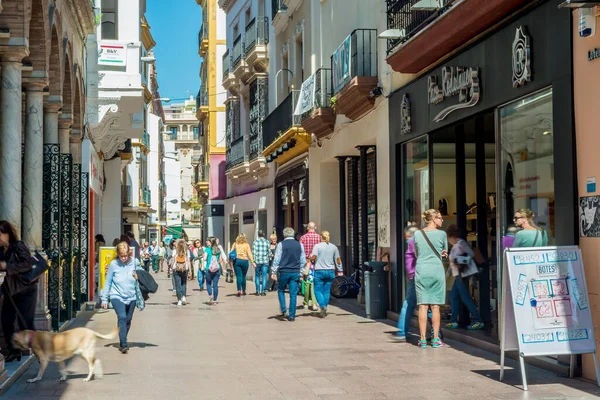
(64, 133)
(75, 145)
(51, 122)
(11, 130)
(33, 177)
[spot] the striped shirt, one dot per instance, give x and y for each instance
(261, 251)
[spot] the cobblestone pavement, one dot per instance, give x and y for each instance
(239, 350)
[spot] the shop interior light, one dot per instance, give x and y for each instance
(579, 4)
(547, 133)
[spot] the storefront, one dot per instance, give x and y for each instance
(291, 199)
(249, 213)
(477, 137)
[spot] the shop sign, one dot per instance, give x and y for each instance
(340, 61)
(593, 54)
(307, 96)
(94, 166)
(521, 58)
(456, 81)
(112, 54)
(248, 217)
(405, 125)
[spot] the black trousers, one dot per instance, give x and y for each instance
(26, 302)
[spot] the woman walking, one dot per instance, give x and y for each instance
(180, 265)
(271, 284)
(326, 258)
(213, 265)
(530, 234)
(199, 270)
(120, 287)
(243, 259)
(431, 246)
(15, 259)
(462, 267)
(146, 256)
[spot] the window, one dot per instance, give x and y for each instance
(196, 132)
(173, 130)
(109, 19)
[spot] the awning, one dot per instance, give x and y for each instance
(175, 231)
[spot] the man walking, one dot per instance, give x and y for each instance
(289, 261)
(134, 244)
(309, 241)
(260, 253)
(155, 252)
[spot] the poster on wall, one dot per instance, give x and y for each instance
(589, 216)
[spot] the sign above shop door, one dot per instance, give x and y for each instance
(456, 81)
(521, 58)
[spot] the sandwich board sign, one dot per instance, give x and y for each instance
(546, 309)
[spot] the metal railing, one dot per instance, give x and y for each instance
(238, 50)
(202, 98)
(226, 63)
(203, 173)
(196, 155)
(276, 7)
(401, 16)
(259, 107)
(196, 215)
(236, 153)
(257, 32)
(146, 195)
(146, 139)
(281, 119)
(127, 195)
(363, 55)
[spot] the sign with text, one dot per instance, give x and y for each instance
(340, 62)
(112, 54)
(307, 96)
(94, 166)
(456, 81)
(546, 309)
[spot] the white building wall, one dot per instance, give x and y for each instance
(260, 200)
(173, 183)
(154, 130)
(111, 200)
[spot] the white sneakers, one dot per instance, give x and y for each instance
(179, 303)
(183, 300)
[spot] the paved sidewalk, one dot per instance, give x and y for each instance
(238, 350)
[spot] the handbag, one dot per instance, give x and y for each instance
(233, 255)
(39, 267)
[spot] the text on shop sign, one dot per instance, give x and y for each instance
(461, 81)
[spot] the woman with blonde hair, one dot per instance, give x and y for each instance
(530, 234)
(243, 259)
(431, 245)
(326, 258)
(180, 266)
(120, 287)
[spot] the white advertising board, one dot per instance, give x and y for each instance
(546, 309)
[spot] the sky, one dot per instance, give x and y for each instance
(174, 25)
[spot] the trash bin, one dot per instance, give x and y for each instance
(376, 289)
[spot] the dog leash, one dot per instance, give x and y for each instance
(19, 314)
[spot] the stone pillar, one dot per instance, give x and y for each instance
(33, 176)
(51, 122)
(11, 130)
(64, 133)
(75, 145)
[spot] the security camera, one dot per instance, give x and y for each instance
(376, 92)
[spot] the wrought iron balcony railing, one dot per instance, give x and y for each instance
(277, 6)
(146, 196)
(127, 195)
(238, 50)
(323, 89)
(259, 107)
(196, 215)
(202, 98)
(281, 119)
(362, 46)
(402, 16)
(226, 63)
(146, 139)
(257, 32)
(236, 153)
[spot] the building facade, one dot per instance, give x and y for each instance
(210, 177)
(183, 144)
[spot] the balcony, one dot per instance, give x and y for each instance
(280, 15)
(146, 139)
(203, 40)
(283, 135)
(196, 216)
(202, 177)
(354, 70)
(183, 137)
(127, 195)
(257, 38)
(259, 106)
(320, 119)
(241, 70)
(236, 153)
(230, 82)
(202, 104)
(430, 34)
(234, 141)
(145, 197)
(196, 155)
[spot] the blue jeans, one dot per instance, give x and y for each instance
(408, 308)
(124, 316)
(460, 293)
(180, 283)
(212, 283)
(261, 275)
(202, 275)
(293, 280)
(323, 280)
(241, 269)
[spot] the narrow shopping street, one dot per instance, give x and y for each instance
(239, 350)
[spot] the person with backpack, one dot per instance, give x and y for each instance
(181, 265)
(214, 260)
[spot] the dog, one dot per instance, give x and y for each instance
(58, 347)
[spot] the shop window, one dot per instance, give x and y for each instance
(234, 228)
(415, 179)
(262, 222)
(527, 160)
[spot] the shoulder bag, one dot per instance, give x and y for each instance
(38, 268)
(233, 254)
(430, 245)
(537, 234)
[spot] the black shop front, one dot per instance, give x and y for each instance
(488, 131)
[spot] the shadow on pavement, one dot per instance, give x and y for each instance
(132, 344)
